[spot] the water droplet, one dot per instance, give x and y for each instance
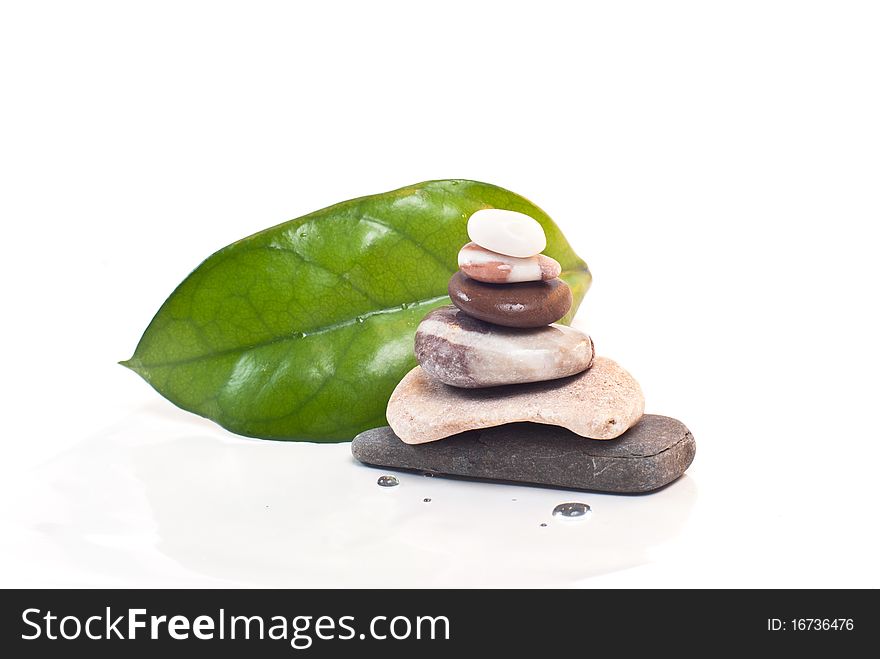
(387, 481)
(572, 509)
(426, 500)
(428, 474)
(543, 523)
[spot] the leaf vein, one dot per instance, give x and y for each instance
(293, 335)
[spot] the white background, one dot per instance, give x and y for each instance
(716, 164)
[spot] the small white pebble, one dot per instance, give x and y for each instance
(507, 232)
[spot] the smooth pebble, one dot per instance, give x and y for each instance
(599, 403)
(528, 304)
(653, 453)
(465, 352)
(507, 232)
(485, 265)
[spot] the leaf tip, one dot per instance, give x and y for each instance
(129, 364)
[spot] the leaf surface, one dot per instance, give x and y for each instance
(303, 330)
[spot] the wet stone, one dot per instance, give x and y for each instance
(651, 454)
(527, 304)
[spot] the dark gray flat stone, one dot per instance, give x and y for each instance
(651, 454)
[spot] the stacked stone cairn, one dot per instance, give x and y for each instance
(497, 357)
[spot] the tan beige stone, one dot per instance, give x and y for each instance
(599, 403)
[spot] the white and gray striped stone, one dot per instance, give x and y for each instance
(461, 351)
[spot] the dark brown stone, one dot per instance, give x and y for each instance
(526, 304)
(651, 454)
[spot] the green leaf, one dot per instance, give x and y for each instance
(303, 330)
